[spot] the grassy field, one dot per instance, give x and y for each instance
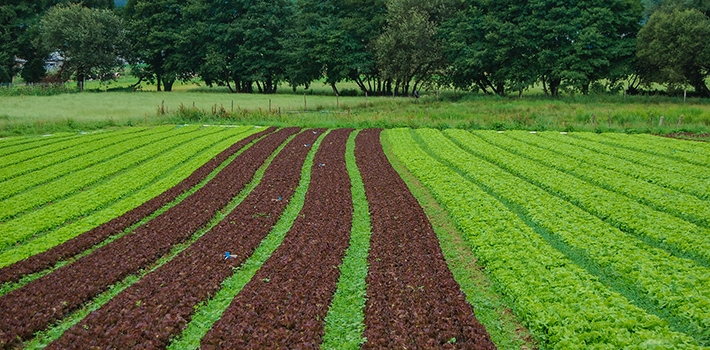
(318, 107)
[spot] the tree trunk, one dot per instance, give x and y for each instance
(80, 77)
(699, 85)
(159, 79)
(168, 83)
(335, 89)
(555, 87)
(544, 86)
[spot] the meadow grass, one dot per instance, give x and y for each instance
(22, 115)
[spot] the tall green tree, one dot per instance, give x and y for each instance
(487, 49)
(335, 39)
(244, 43)
(409, 52)
(674, 47)
(19, 35)
(90, 40)
(156, 32)
(577, 43)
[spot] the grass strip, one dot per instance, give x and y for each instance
(209, 312)
(8, 287)
(43, 338)
(505, 329)
(345, 321)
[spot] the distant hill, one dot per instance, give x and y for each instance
(120, 3)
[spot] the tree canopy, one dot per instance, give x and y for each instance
(384, 46)
(90, 40)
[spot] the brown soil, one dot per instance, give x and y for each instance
(68, 249)
(36, 305)
(284, 305)
(689, 136)
(413, 300)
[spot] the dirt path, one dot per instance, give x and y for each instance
(413, 300)
(284, 305)
(70, 248)
(36, 305)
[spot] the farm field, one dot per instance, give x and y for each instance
(195, 236)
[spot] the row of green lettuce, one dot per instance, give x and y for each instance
(574, 280)
(690, 152)
(57, 181)
(39, 230)
(652, 166)
(598, 226)
(31, 156)
(610, 196)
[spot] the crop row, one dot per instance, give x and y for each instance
(82, 179)
(687, 207)
(34, 176)
(674, 288)
(211, 310)
(286, 301)
(172, 175)
(413, 299)
(562, 303)
(694, 153)
(163, 301)
(67, 155)
(147, 210)
(23, 144)
(114, 188)
(671, 143)
(345, 321)
(611, 191)
(659, 163)
(695, 187)
(656, 228)
(92, 274)
(49, 150)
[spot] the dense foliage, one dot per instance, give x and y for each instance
(392, 47)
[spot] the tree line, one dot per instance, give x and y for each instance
(386, 47)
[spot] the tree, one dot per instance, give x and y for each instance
(577, 43)
(487, 49)
(158, 41)
(334, 39)
(243, 43)
(90, 40)
(16, 17)
(19, 35)
(674, 47)
(409, 50)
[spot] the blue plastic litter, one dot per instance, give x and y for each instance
(279, 198)
(307, 145)
(321, 164)
(227, 255)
